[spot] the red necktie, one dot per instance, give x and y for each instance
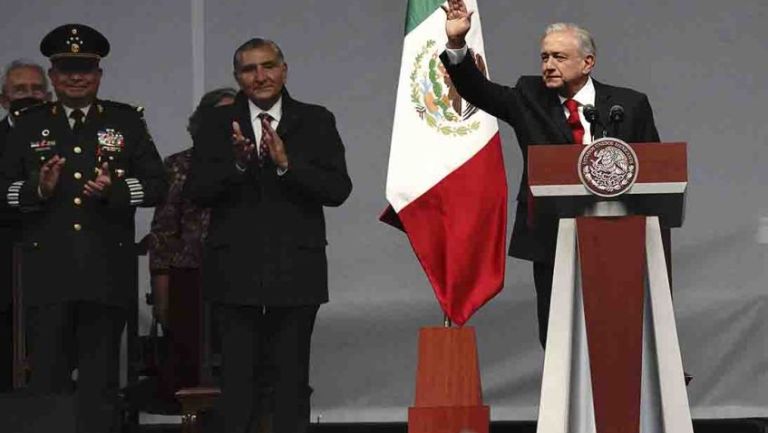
(574, 122)
(263, 148)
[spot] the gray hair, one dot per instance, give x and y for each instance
(253, 44)
(19, 64)
(586, 42)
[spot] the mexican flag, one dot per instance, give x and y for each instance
(446, 184)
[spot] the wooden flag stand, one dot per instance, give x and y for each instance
(448, 392)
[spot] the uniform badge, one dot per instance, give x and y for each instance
(74, 42)
(42, 145)
(608, 167)
(46, 132)
(110, 141)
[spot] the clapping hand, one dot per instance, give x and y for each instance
(49, 176)
(99, 187)
(243, 147)
(275, 145)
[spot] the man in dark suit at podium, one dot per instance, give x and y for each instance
(545, 109)
(266, 166)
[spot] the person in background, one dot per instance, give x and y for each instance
(176, 237)
(22, 85)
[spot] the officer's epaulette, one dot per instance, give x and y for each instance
(31, 109)
(121, 106)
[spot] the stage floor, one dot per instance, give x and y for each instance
(757, 425)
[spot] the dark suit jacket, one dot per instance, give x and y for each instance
(77, 248)
(535, 113)
(266, 240)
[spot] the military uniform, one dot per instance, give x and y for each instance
(79, 264)
(85, 242)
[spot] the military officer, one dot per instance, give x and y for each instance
(77, 169)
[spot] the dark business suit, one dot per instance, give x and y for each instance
(79, 262)
(265, 265)
(537, 116)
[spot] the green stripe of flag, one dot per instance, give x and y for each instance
(418, 11)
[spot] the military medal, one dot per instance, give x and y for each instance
(42, 145)
(110, 141)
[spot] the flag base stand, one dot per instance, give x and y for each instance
(448, 391)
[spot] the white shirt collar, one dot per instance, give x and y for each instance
(68, 110)
(275, 110)
(586, 95)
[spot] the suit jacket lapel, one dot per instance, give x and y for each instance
(289, 118)
(92, 119)
(603, 104)
(62, 122)
(556, 113)
(546, 104)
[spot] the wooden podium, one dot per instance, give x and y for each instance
(612, 362)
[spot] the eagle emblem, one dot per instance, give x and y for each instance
(608, 167)
(435, 98)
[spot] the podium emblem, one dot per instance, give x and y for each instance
(608, 167)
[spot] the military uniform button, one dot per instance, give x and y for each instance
(77, 227)
(42, 158)
(78, 149)
(78, 201)
(35, 244)
(78, 175)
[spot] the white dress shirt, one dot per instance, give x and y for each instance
(276, 111)
(584, 96)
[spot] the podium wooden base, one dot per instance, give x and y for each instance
(588, 388)
(448, 392)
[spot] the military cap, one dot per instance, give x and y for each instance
(74, 41)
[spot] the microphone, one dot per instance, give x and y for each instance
(593, 117)
(615, 117)
(591, 113)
